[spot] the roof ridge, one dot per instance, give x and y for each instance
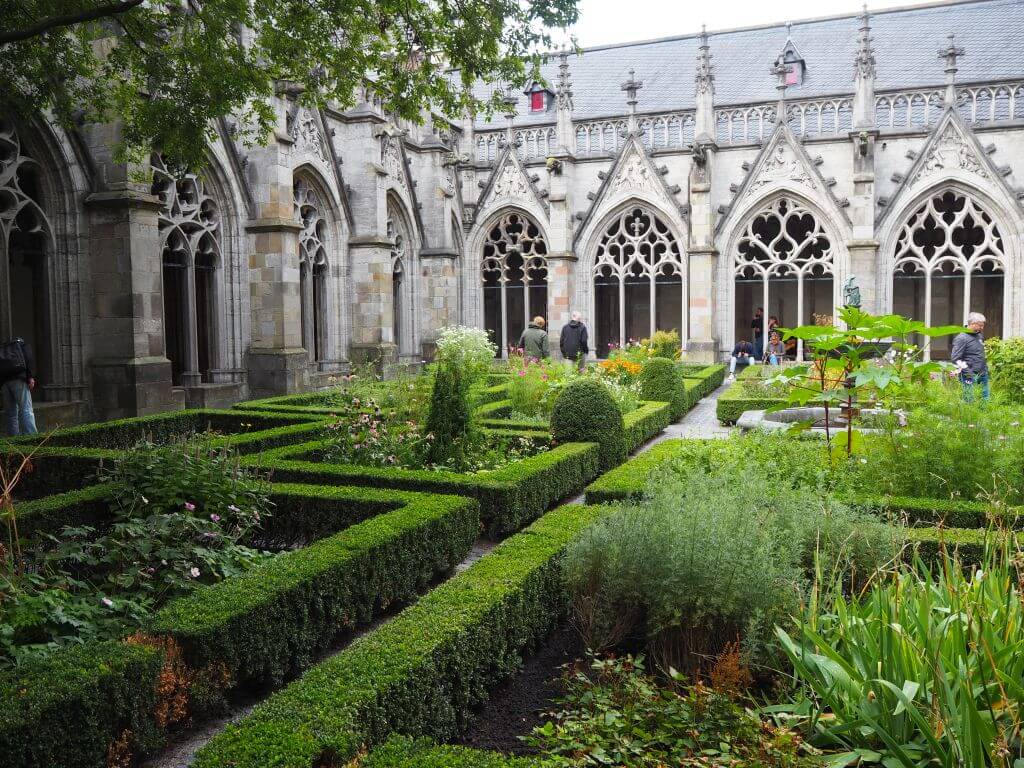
(782, 24)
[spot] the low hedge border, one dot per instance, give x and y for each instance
(55, 470)
(734, 401)
(121, 434)
(259, 626)
(645, 422)
(64, 711)
(274, 619)
(710, 378)
(88, 506)
(422, 672)
(403, 752)
(954, 513)
(509, 497)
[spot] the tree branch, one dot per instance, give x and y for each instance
(68, 19)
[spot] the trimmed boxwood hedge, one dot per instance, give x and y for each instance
(645, 422)
(709, 378)
(262, 625)
(55, 470)
(88, 506)
(63, 711)
(734, 401)
(952, 513)
(661, 380)
(274, 619)
(403, 752)
(239, 428)
(509, 497)
(424, 671)
(628, 481)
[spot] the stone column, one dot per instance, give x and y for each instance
(278, 364)
(130, 372)
(863, 247)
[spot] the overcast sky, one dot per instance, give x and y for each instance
(619, 21)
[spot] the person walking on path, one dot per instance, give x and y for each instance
(573, 342)
(16, 384)
(968, 353)
(534, 340)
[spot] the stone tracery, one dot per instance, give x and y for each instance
(514, 271)
(190, 231)
(638, 279)
(313, 269)
(949, 259)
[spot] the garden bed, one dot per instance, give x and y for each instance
(254, 628)
(746, 394)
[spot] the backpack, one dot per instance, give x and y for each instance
(12, 359)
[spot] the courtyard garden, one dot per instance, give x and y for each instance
(396, 573)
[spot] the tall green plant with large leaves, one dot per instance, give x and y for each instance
(843, 365)
(926, 669)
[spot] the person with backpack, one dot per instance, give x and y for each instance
(16, 384)
(573, 342)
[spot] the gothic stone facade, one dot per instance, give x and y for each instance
(672, 185)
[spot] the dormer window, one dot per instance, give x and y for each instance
(794, 63)
(540, 98)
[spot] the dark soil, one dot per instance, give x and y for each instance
(518, 705)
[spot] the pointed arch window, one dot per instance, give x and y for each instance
(514, 270)
(783, 265)
(639, 280)
(313, 270)
(26, 240)
(189, 225)
(950, 260)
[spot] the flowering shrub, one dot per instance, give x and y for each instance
(468, 348)
(180, 515)
(620, 369)
(535, 385)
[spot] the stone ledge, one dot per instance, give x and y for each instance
(274, 225)
(438, 253)
(370, 241)
(124, 198)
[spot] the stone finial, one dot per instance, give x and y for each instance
(631, 86)
(705, 77)
(864, 61)
(563, 89)
(950, 54)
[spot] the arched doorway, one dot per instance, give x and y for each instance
(783, 264)
(514, 272)
(639, 280)
(189, 224)
(26, 242)
(949, 260)
(313, 270)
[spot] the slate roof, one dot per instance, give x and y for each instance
(906, 42)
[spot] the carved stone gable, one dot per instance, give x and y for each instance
(307, 136)
(633, 174)
(511, 182)
(951, 152)
(781, 164)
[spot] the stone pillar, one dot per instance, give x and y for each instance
(702, 342)
(863, 247)
(130, 372)
(278, 364)
(372, 332)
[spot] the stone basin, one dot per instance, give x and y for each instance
(784, 419)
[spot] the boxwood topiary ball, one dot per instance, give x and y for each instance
(585, 413)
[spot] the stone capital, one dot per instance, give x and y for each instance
(370, 241)
(438, 253)
(124, 198)
(562, 256)
(274, 224)
(707, 250)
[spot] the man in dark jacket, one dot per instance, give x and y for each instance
(573, 341)
(534, 340)
(968, 353)
(16, 384)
